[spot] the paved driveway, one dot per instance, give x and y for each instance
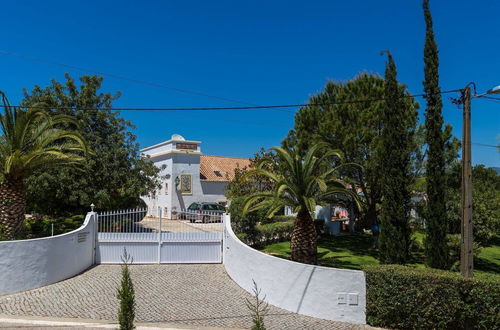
(179, 226)
(201, 295)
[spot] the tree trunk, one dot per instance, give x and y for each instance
(12, 207)
(304, 244)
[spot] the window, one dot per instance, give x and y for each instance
(194, 207)
(166, 188)
(186, 184)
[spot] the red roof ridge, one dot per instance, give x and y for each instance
(220, 168)
(248, 158)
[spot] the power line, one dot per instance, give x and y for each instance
(256, 107)
(485, 145)
(137, 81)
(489, 98)
(244, 122)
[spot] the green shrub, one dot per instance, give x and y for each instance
(277, 218)
(36, 226)
(3, 237)
(126, 295)
(243, 237)
(268, 234)
(406, 298)
(244, 223)
(273, 233)
(258, 308)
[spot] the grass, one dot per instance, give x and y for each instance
(354, 252)
(488, 260)
(345, 251)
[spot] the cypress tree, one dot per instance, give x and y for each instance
(126, 295)
(396, 147)
(435, 242)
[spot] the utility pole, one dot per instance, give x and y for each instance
(466, 250)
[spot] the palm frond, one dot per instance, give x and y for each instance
(32, 139)
(258, 171)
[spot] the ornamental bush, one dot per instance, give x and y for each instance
(267, 234)
(277, 218)
(402, 297)
(126, 295)
(274, 233)
(244, 223)
(41, 226)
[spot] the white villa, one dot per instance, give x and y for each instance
(188, 176)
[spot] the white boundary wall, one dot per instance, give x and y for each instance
(327, 293)
(30, 264)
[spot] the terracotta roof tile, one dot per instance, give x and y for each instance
(217, 168)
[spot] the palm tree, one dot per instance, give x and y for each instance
(31, 140)
(301, 183)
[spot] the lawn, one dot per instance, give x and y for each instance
(354, 252)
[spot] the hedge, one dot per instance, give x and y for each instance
(274, 232)
(37, 227)
(266, 234)
(406, 298)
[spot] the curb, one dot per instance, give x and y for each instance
(30, 322)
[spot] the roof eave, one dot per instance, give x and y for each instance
(167, 142)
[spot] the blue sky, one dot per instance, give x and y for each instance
(260, 52)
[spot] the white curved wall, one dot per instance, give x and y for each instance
(327, 293)
(30, 264)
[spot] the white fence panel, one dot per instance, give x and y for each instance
(141, 252)
(191, 252)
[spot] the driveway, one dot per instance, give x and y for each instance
(196, 295)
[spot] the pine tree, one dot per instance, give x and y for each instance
(126, 295)
(258, 308)
(435, 215)
(396, 147)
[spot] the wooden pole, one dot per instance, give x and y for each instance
(466, 251)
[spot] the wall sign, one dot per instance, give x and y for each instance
(186, 146)
(186, 184)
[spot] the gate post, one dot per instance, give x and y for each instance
(95, 236)
(159, 234)
(95, 223)
(225, 220)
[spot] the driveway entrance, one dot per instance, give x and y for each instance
(195, 295)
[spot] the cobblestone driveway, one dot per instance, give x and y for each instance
(184, 294)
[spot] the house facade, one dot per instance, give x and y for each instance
(187, 176)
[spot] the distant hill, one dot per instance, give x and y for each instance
(497, 169)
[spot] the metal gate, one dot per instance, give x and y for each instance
(188, 237)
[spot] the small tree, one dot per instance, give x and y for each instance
(258, 308)
(126, 295)
(300, 182)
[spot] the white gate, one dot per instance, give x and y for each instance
(189, 237)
